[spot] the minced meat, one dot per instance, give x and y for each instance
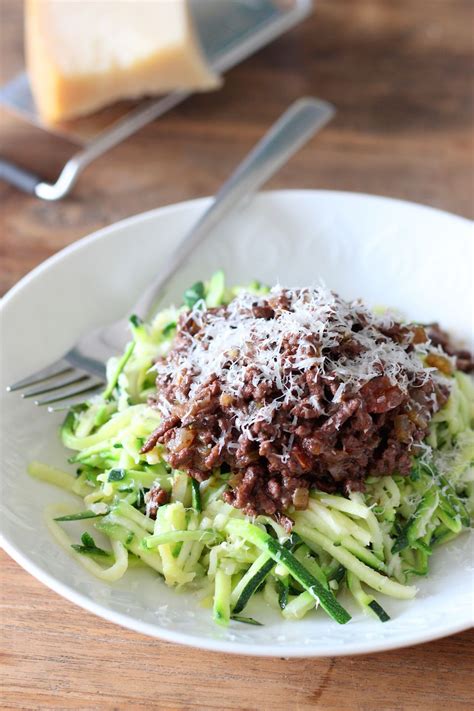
(294, 390)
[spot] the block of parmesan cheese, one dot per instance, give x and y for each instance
(85, 54)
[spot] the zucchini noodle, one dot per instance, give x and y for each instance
(53, 476)
(110, 575)
(376, 540)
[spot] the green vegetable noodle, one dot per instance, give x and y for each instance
(340, 552)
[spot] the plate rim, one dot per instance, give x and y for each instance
(211, 645)
(154, 630)
(102, 232)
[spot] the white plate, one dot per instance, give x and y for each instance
(389, 252)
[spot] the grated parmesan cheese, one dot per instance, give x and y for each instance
(240, 347)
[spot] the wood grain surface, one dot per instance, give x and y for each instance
(399, 74)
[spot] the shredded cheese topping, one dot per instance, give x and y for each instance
(306, 331)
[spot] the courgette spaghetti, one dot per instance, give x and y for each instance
(375, 541)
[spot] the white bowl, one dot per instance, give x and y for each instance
(414, 258)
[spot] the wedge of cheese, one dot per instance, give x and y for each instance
(85, 54)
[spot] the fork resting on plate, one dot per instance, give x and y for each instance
(80, 373)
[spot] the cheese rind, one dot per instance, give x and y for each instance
(85, 54)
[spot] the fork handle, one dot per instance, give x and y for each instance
(292, 130)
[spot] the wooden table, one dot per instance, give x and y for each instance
(399, 75)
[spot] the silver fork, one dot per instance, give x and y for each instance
(80, 373)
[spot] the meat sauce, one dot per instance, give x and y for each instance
(295, 390)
